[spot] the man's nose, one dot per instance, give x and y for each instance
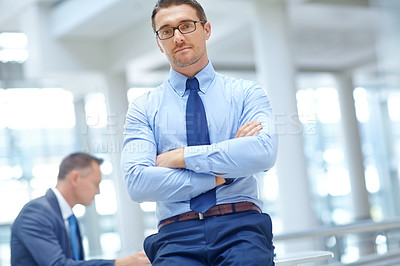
(178, 36)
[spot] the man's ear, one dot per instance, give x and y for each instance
(159, 45)
(73, 177)
(207, 29)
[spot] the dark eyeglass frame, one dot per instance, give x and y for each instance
(177, 28)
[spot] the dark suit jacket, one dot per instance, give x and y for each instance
(39, 236)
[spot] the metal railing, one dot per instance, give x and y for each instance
(373, 241)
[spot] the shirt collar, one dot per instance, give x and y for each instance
(66, 210)
(178, 81)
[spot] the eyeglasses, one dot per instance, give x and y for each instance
(184, 28)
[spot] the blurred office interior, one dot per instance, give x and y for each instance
(68, 69)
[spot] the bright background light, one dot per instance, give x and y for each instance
(13, 40)
(306, 105)
(372, 179)
(361, 104)
(13, 197)
(148, 206)
(13, 47)
(333, 156)
(328, 109)
(394, 106)
(106, 201)
(96, 110)
(133, 93)
(338, 181)
(29, 108)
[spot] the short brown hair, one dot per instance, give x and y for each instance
(76, 161)
(168, 3)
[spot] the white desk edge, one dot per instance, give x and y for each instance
(293, 259)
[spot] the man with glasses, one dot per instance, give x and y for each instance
(193, 146)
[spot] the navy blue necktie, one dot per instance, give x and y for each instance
(197, 134)
(73, 232)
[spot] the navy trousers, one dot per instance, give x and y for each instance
(236, 239)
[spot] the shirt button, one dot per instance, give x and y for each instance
(197, 168)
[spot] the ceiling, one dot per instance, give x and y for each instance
(326, 35)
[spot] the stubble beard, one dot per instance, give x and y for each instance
(185, 64)
(181, 64)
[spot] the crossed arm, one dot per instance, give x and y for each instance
(175, 158)
(184, 173)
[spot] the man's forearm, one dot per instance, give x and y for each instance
(172, 159)
(176, 159)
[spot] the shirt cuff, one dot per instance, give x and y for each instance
(196, 159)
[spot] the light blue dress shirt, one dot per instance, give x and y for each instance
(155, 123)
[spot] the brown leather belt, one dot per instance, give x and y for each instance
(217, 210)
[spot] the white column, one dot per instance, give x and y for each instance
(354, 158)
(352, 147)
(91, 218)
(388, 57)
(380, 126)
(275, 72)
(130, 216)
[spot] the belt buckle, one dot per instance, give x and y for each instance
(201, 216)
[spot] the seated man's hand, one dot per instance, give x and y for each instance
(137, 259)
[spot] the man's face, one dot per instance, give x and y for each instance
(183, 50)
(88, 184)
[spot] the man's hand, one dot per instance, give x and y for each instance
(249, 129)
(171, 159)
(137, 259)
(219, 180)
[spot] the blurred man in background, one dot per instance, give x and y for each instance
(46, 231)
